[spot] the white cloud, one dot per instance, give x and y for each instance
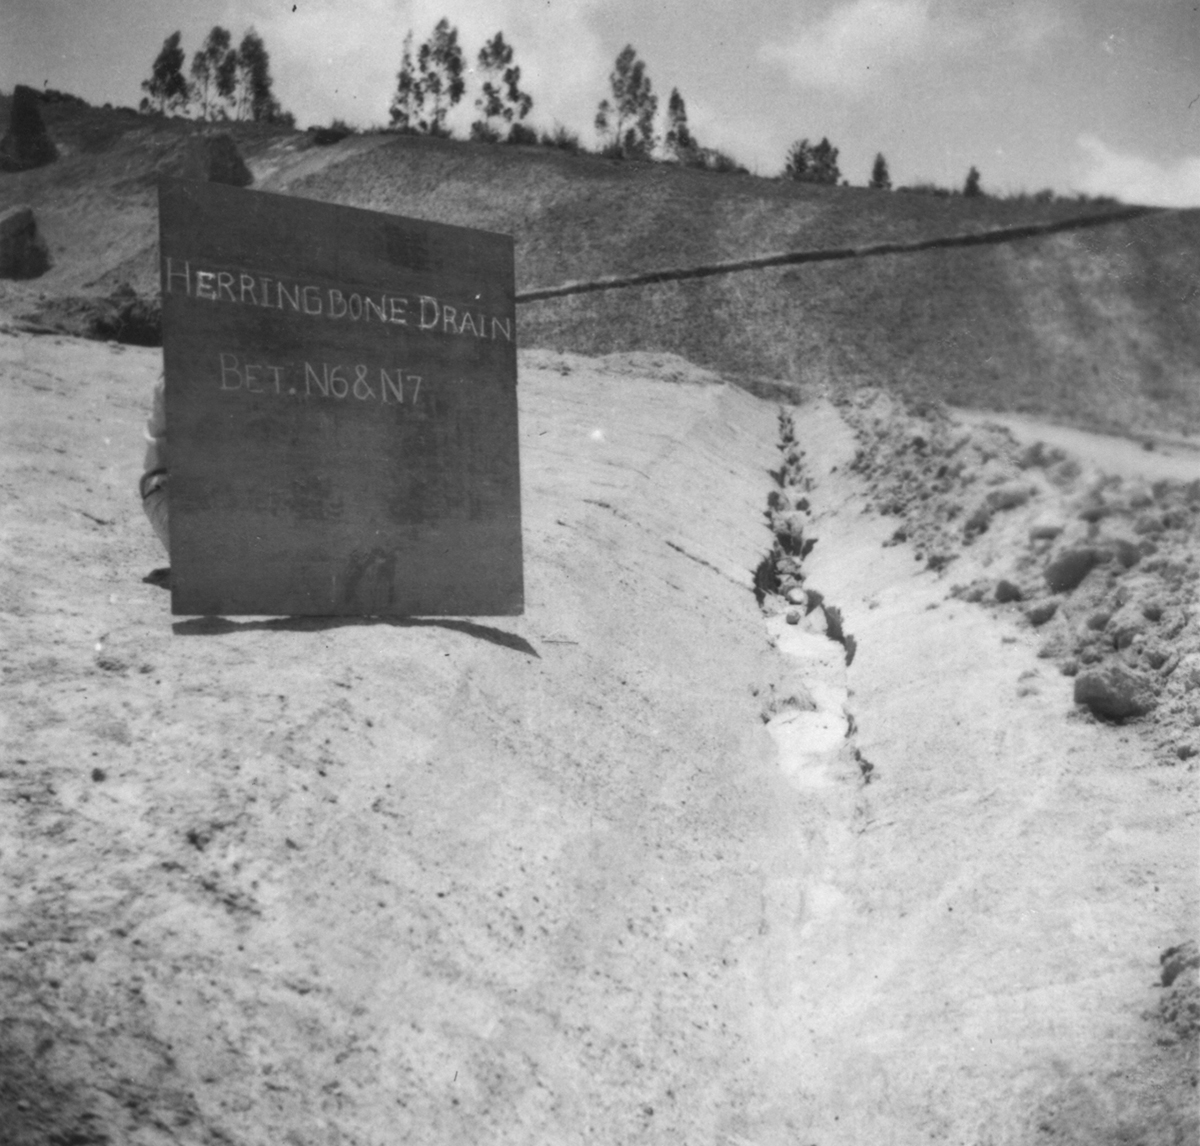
(854, 42)
(1135, 179)
(1034, 27)
(859, 40)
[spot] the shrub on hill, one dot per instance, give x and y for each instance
(126, 317)
(712, 159)
(23, 251)
(679, 142)
(53, 95)
(26, 143)
(216, 159)
(325, 136)
(928, 189)
(813, 163)
(562, 138)
(880, 179)
(522, 135)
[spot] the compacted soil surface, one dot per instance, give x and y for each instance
(837, 786)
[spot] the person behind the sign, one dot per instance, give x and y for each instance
(153, 485)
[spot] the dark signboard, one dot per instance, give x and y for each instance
(341, 409)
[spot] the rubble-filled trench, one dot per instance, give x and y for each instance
(753, 829)
(1029, 635)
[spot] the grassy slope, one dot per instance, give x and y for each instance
(1098, 327)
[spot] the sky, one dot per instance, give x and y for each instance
(1100, 97)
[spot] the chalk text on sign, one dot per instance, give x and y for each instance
(389, 385)
(430, 315)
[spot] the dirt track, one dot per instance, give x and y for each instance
(552, 879)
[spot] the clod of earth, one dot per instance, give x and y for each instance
(1115, 691)
(1009, 497)
(1040, 613)
(1071, 566)
(1176, 960)
(1006, 591)
(1045, 530)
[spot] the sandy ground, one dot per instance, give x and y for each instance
(650, 863)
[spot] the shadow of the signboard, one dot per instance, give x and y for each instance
(215, 626)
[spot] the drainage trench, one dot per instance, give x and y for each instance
(808, 716)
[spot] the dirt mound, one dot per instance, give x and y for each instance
(628, 862)
(1104, 567)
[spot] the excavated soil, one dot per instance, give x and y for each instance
(773, 820)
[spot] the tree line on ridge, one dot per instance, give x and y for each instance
(224, 82)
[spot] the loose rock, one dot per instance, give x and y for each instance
(1126, 552)
(1189, 671)
(1126, 624)
(1071, 566)
(1006, 591)
(1040, 613)
(1115, 691)
(1176, 960)
(1008, 497)
(1045, 530)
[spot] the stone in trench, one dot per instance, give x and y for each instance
(788, 526)
(1045, 530)
(1040, 613)
(1010, 496)
(23, 253)
(1115, 691)
(1071, 566)
(978, 522)
(1126, 552)
(1006, 591)
(1189, 671)
(1176, 960)
(1126, 624)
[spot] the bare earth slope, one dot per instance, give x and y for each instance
(569, 877)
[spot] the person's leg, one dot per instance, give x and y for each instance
(153, 486)
(154, 502)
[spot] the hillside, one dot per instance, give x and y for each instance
(637, 866)
(837, 785)
(1097, 328)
